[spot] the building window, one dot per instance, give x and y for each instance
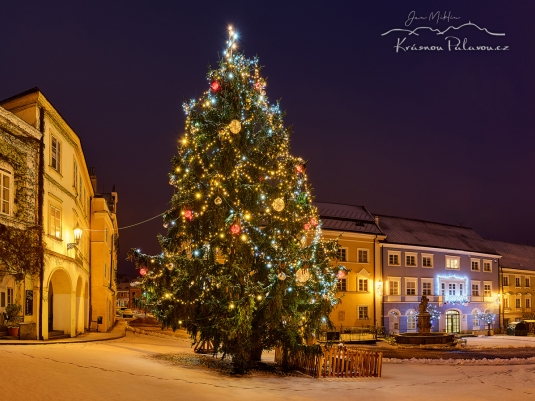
(341, 285)
(506, 281)
(452, 262)
(475, 290)
(487, 291)
(75, 175)
(528, 303)
(506, 302)
(411, 287)
(426, 288)
(363, 256)
(55, 156)
(443, 289)
(342, 254)
(451, 289)
(55, 222)
(10, 297)
(6, 191)
(411, 320)
(393, 287)
(410, 259)
(363, 313)
(475, 319)
(487, 266)
(363, 284)
(393, 258)
(427, 260)
(527, 282)
(517, 281)
(517, 303)
(475, 265)
(341, 316)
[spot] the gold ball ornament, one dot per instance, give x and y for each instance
(235, 126)
(302, 275)
(278, 205)
(281, 276)
(218, 201)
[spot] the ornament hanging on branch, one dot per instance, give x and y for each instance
(301, 168)
(278, 205)
(188, 214)
(218, 200)
(215, 86)
(143, 271)
(281, 276)
(235, 126)
(302, 275)
(235, 229)
(342, 274)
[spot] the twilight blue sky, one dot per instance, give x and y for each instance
(445, 136)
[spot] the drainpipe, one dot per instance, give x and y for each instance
(90, 314)
(501, 309)
(40, 218)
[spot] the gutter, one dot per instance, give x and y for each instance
(40, 207)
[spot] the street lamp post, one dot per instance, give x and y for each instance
(77, 236)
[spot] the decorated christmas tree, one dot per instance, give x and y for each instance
(243, 265)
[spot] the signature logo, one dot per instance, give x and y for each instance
(450, 43)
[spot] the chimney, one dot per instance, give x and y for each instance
(93, 178)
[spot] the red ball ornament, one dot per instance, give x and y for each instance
(216, 86)
(342, 274)
(188, 214)
(258, 86)
(143, 271)
(306, 226)
(301, 168)
(235, 229)
(313, 222)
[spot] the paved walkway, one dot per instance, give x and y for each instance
(117, 332)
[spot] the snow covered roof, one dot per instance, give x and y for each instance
(401, 230)
(515, 256)
(347, 218)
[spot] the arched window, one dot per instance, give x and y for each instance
(475, 319)
(411, 320)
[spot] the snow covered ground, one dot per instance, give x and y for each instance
(121, 369)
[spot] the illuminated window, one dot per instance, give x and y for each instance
(55, 154)
(55, 222)
(393, 287)
(475, 265)
(517, 281)
(6, 191)
(341, 285)
(363, 285)
(363, 256)
(528, 303)
(342, 254)
(487, 266)
(10, 296)
(451, 289)
(475, 319)
(452, 262)
(506, 302)
(486, 290)
(363, 313)
(517, 303)
(410, 259)
(506, 281)
(427, 260)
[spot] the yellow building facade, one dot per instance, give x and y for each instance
(359, 252)
(61, 296)
(104, 244)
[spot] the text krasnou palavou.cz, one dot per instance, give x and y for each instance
(452, 44)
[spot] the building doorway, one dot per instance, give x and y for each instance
(59, 302)
(393, 321)
(453, 321)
